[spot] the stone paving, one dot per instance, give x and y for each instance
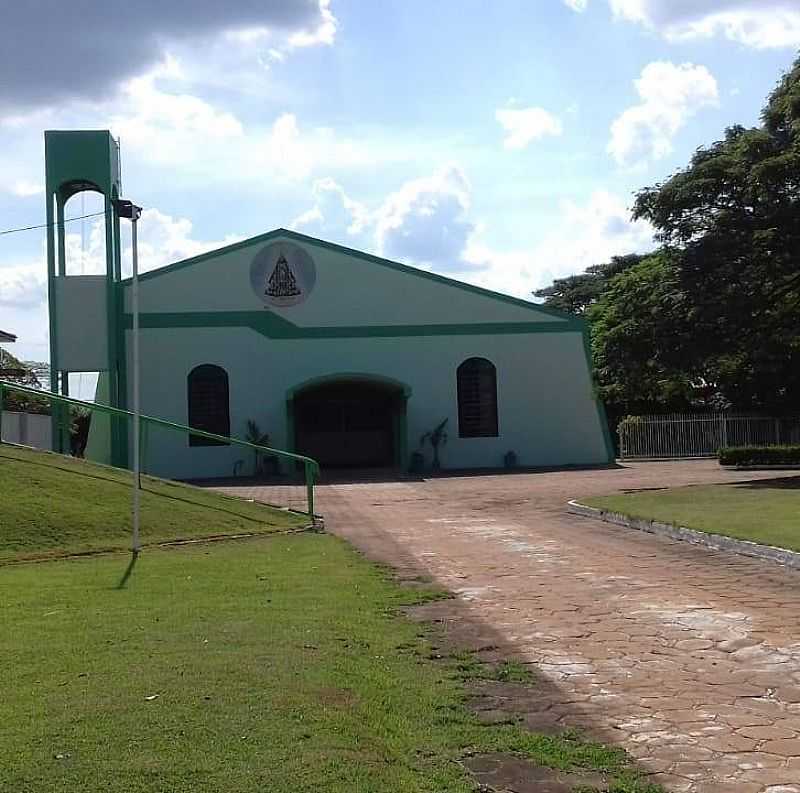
(688, 658)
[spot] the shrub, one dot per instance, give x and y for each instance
(760, 455)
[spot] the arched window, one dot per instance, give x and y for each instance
(477, 399)
(208, 403)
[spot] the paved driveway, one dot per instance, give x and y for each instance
(688, 658)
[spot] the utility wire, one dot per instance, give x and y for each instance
(45, 225)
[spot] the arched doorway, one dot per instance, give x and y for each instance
(350, 421)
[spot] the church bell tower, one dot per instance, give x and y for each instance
(85, 310)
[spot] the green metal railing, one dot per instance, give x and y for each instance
(309, 467)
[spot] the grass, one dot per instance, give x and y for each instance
(277, 664)
(764, 511)
(54, 505)
(280, 663)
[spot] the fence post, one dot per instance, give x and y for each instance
(143, 437)
(309, 470)
(1, 412)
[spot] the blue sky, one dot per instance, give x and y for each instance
(496, 142)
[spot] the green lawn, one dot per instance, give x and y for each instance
(277, 663)
(766, 511)
(56, 504)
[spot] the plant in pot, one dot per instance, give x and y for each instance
(436, 437)
(262, 463)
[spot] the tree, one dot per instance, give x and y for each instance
(731, 221)
(575, 294)
(640, 337)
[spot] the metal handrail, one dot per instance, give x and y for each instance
(311, 467)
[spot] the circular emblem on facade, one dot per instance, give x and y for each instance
(282, 274)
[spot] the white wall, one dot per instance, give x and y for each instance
(546, 410)
(82, 323)
(28, 429)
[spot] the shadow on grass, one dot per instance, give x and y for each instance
(123, 582)
(780, 483)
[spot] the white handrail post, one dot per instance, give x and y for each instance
(127, 209)
(136, 545)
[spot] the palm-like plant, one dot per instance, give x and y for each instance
(436, 437)
(254, 435)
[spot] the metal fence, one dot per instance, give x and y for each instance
(290, 483)
(701, 434)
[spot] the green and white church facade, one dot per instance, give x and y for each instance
(335, 353)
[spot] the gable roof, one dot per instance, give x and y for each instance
(367, 257)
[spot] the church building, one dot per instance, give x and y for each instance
(343, 356)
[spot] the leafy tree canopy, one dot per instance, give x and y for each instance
(732, 221)
(577, 293)
(715, 313)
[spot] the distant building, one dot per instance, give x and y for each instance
(7, 337)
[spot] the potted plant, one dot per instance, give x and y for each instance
(261, 462)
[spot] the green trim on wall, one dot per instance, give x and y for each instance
(367, 257)
(274, 327)
(601, 408)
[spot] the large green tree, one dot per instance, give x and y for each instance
(731, 222)
(640, 336)
(714, 315)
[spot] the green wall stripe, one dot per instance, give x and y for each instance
(274, 327)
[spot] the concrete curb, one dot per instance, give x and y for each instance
(760, 467)
(717, 542)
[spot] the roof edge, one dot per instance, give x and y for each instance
(369, 257)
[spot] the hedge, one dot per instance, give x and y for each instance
(760, 455)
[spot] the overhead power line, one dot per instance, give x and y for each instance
(45, 225)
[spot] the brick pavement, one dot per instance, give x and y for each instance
(686, 657)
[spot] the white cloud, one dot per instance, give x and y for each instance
(523, 125)
(756, 23)
(670, 95)
(288, 153)
(164, 239)
(24, 188)
(577, 5)
(23, 286)
(170, 127)
(427, 220)
(332, 212)
(585, 234)
(323, 32)
(179, 130)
